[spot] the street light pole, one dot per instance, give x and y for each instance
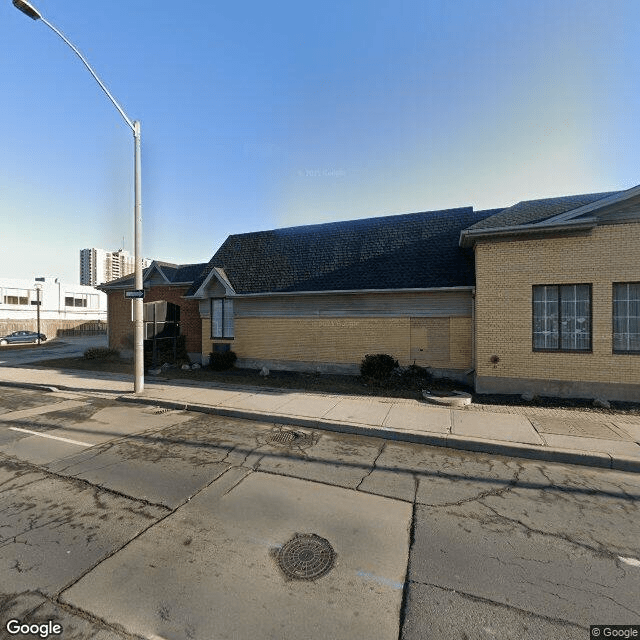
(138, 349)
(38, 288)
(138, 336)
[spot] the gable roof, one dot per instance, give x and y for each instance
(409, 251)
(172, 273)
(534, 211)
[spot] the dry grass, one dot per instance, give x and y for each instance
(406, 386)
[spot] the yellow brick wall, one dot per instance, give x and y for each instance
(340, 340)
(505, 274)
(460, 343)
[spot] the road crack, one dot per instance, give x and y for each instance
(497, 603)
(599, 551)
(373, 465)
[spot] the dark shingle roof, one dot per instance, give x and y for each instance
(417, 250)
(531, 211)
(175, 273)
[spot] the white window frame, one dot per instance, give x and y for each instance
(222, 326)
(19, 294)
(625, 316)
(566, 328)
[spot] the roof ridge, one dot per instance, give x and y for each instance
(604, 194)
(372, 219)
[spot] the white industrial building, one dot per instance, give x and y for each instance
(63, 307)
(98, 266)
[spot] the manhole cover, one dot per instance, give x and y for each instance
(306, 556)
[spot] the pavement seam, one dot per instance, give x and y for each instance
(405, 583)
(496, 603)
(283, 474)
(140, 533)
(232, 487)
(85, 615)
(447, 440)
(86, 484)
(28, 612)
(386, 415)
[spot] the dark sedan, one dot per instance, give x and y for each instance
(22, 336)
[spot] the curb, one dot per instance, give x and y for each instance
(478, 445)
(32, 385)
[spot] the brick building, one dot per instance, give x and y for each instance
(321, 297)
(162, 281)
(542, 296)
(557, 303)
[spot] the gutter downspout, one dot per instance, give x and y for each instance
(473, 336)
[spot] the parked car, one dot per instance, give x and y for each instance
(22, 336)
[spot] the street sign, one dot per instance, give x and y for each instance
(134, 293)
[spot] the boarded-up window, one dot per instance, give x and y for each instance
(430, 342)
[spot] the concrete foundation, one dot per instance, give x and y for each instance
(559, 388)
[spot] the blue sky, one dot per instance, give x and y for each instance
(261, 115)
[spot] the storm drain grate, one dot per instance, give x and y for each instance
(306, 556)
(283, 437)
(160, 410)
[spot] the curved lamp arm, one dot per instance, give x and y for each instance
(28, 9)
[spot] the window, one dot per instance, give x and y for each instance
(562, 317)
(15, 296)
(221, 318)
(76, 300)
(626, 317)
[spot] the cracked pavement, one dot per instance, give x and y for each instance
(162, 525)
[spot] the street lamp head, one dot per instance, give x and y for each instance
(27, 9)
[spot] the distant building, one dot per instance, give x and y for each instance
(63, 307)
(98, 266)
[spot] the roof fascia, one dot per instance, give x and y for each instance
(593, 206)
(469, 236)
(353, 292)
(108, 286)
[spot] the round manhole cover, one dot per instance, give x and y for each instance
(306, 556)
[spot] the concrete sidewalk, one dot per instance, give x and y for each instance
(569, 436)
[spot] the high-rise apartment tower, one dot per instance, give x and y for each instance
(98, 266)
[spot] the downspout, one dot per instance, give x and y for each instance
(473, 336)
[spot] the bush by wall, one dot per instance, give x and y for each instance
(378, 366)
(164, 351)
(101, 353)
(221, 360)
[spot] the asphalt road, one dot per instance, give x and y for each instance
(20, 354)
(124, 521)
